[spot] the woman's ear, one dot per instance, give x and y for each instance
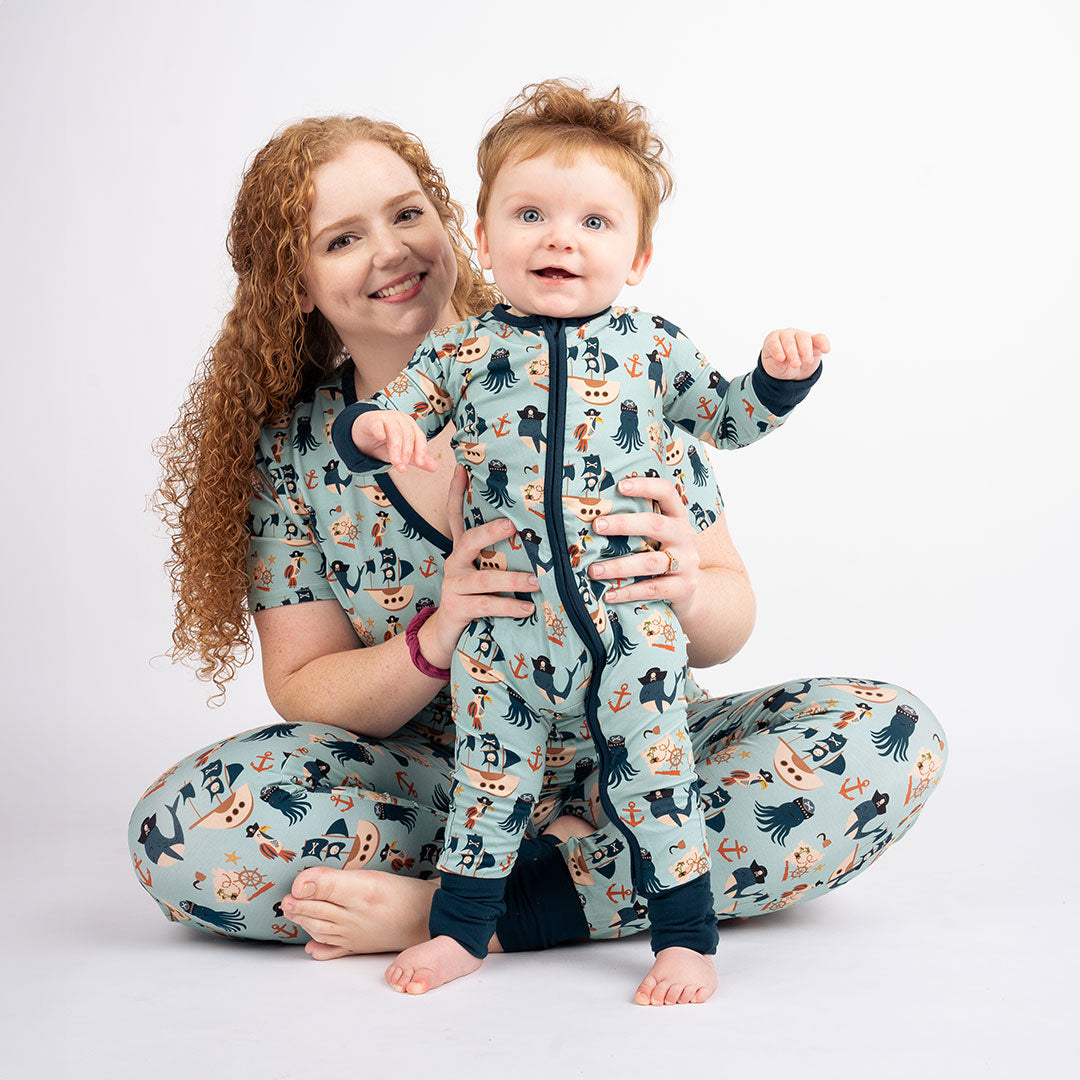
(306, 304)
(482, 252)
(639, 266)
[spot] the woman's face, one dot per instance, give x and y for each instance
(380, 265)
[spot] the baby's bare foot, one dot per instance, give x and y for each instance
(678, 977)
(430, 964)
(358, 911)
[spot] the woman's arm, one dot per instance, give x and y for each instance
(315, 669)
(719, 616)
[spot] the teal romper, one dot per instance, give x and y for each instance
(550, 414)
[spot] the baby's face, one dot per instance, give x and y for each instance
(561, 240)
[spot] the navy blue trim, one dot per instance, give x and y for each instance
(543, 908)
(576, 611)
(780, 396)
(341, 437)
(405, 508)
(384, 479)
(467, 909)
(688, 907)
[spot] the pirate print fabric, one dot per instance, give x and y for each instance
(804, 785)
(549, 416)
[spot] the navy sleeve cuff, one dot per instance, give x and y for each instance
(780, 396)
(341, 436)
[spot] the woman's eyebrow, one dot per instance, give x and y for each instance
(353, 218)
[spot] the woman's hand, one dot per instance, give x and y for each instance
(468, 593)
(675, 578)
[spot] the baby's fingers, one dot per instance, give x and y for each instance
(821, 343)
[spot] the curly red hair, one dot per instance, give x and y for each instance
(268, 354)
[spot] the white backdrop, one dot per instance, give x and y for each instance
(903, 178)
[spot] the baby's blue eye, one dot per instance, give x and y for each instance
(593, 221)
(530, 216)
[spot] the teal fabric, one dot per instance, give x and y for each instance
(217, 839)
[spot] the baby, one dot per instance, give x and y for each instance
(557, 399)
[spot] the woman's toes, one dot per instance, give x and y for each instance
(318, 951)
(314, 883)
(395, 978)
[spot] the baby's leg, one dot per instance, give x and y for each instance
(651, 787)
(493, 792)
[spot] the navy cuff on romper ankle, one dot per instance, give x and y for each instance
(467, 910)
(542, 906)
(688, 907)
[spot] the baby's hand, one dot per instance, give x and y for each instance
(392, 436)
(793, 354)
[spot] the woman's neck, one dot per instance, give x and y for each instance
(376, 363)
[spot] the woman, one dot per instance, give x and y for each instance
(348, 251)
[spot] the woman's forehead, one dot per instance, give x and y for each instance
(361, 180)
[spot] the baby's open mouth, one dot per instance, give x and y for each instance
(554, 272)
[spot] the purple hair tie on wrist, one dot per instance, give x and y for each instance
(413, 641)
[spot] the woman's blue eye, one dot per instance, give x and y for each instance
(594, 221)
(530, 216)
(340, 242)
(411, 214)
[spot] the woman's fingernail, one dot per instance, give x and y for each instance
(533, 580)
(625, 485)
(309, 889)
(600, 525)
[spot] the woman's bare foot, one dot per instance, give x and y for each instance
(430, 964)
(678, 977)
(359, 911)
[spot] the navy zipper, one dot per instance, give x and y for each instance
(555, 333)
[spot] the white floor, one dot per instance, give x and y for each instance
(902, 973)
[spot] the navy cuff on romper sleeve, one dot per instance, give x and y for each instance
(341, 436)
(542, 906)
(781, 395)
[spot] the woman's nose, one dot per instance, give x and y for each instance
(389, 249)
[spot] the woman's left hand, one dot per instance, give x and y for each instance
(673, 573)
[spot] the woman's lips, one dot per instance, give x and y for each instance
(404, 288)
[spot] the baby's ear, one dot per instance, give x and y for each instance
(482, 252)
(639, 266)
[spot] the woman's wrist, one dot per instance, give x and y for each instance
(431, 648)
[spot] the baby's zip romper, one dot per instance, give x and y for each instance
(550, 414)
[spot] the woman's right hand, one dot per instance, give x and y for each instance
(468, 593)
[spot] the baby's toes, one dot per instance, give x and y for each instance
(674, 993)
(419, 982)
(688, 995)
(659, 994)
(643, 994)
